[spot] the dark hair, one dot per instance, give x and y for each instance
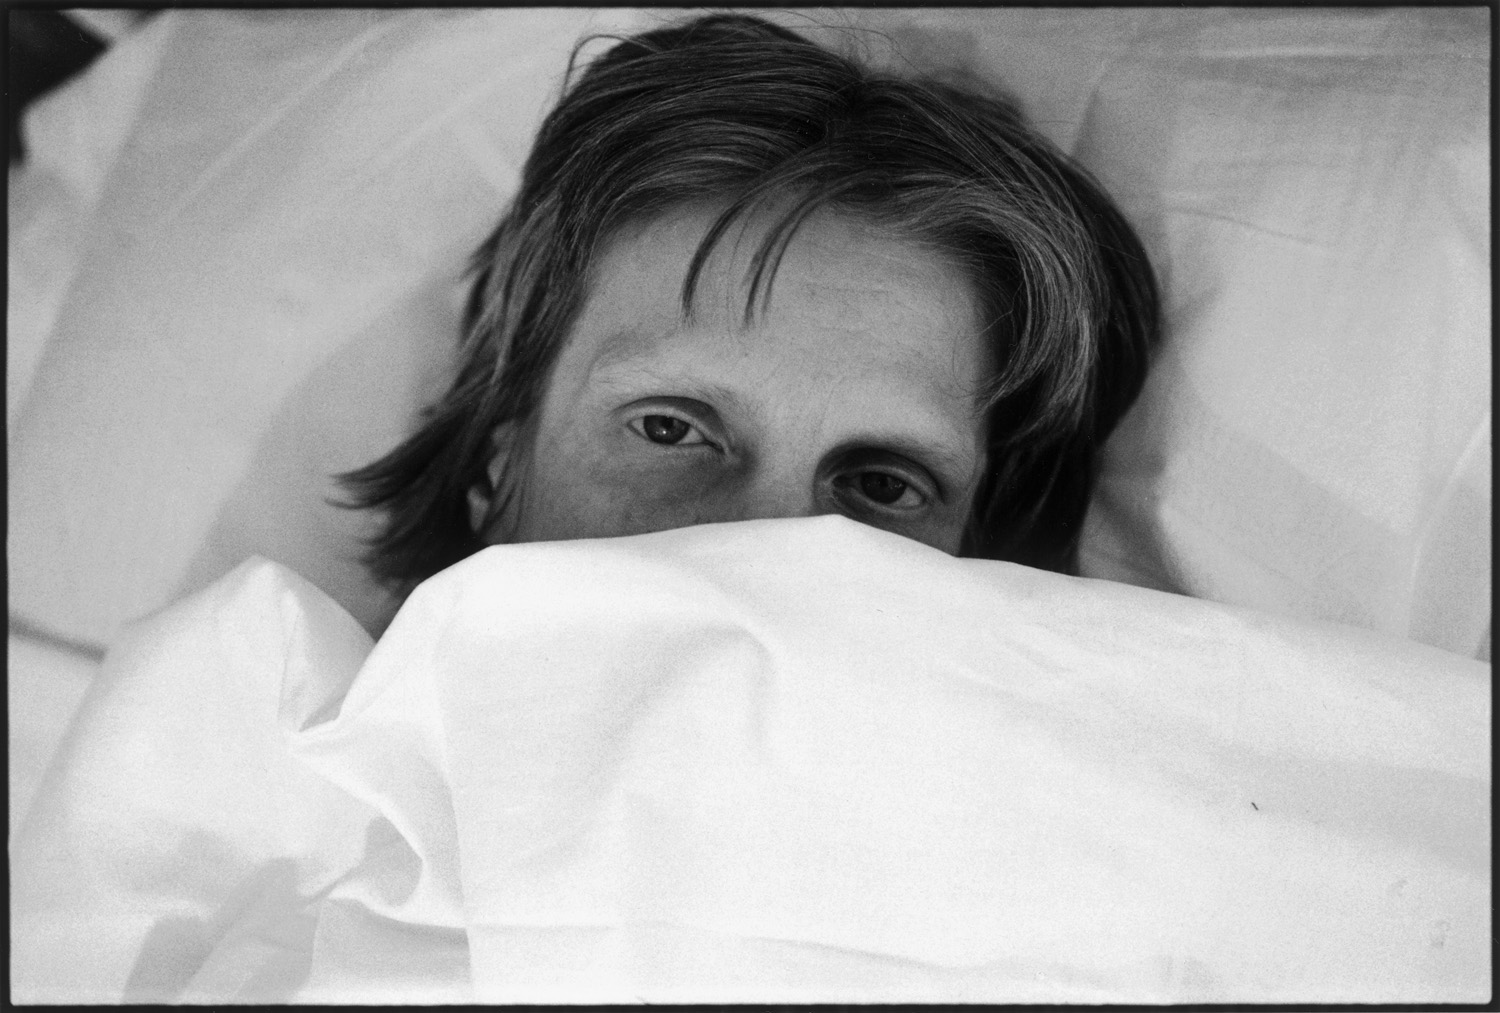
(732, 111)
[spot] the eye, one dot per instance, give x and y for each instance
(883, 489)
(880, 487)
(668, 430)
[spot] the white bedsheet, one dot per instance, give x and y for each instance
(777, 761)
(45, 681)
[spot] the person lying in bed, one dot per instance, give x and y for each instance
(746, 277)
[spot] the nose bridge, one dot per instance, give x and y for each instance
(775, 488)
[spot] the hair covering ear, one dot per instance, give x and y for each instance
(480, 496)
(492, 498)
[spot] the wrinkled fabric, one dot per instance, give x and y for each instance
(795, 760)
(45, 681)
(1314, 438)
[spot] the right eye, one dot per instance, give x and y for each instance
(668, 430)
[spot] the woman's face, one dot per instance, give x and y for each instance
(852, 393)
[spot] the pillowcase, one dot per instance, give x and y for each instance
(270, 285)
(1315, 438)
(269, 294)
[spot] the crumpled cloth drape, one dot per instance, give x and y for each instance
(795, 760)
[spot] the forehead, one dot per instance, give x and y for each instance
(848, 300)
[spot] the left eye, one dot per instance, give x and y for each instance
(884, 489)
(668, 430)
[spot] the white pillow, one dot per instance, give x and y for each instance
(269, 296)
(1315, 440)
(271, 292)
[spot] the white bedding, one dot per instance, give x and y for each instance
(789, 760)
(45, 681)
(799, 761)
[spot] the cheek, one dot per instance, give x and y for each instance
(562, 499)
(602, 485)
(951, 538)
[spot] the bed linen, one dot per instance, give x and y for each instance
(236, 250)
(792, 760)
(45, 681)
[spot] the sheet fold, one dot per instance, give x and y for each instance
(775, 761)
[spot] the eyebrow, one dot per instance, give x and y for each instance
(625, 344)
